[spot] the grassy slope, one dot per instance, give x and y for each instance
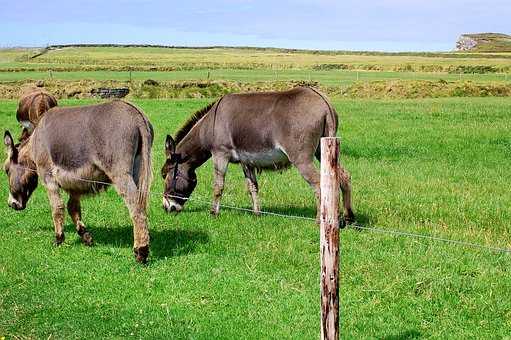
(433, 166)
(491, 42)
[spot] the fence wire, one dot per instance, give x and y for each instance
(357, 226)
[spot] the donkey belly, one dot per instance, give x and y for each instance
(84, 180)
(264, 159)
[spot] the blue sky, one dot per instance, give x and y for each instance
(389, 25)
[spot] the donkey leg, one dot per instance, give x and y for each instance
(345, 179)
(311, 175)
(127, 189)
(252, 187)
(75, 211)
(220, 163)
(57, 211)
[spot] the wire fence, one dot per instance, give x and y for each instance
(327, 77)
(379, 230)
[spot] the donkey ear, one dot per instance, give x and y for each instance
(8, 139)
(9, 143)
(170, 146)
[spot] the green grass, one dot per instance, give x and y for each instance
(327, 78)
(438, 167)
(72, 72)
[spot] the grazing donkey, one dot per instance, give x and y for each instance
(82, 150)
(269, 130)
(34, 102)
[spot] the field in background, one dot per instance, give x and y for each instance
(434, 166)
(326, 78)
(145, 58)
(73, 72)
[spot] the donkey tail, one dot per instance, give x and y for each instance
(331, 119)
(331, 122)
(145, 174)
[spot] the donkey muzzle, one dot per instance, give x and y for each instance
(15, 204)
(169, 205)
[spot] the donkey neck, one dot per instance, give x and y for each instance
(25, 154)
(191, 147)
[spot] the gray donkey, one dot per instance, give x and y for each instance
(82, 150)
(269, 130)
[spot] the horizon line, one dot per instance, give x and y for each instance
(139, 45)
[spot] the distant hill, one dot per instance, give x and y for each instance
(484, 42)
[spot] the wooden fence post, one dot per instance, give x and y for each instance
(329, 238)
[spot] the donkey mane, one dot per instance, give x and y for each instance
(190, 123)
(22, 143)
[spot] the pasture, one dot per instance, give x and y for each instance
(432, 166)
(325, 77)
(146, 58)
(73, 72)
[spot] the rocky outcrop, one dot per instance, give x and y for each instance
(466, 43)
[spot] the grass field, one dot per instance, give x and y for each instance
(436, 166)
(73, 72)
(327, 78)
(114, 58)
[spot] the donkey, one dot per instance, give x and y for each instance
(82, 150)
(34, 102)
(268, 130)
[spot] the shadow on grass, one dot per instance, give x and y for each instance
(362, 220)
(193, 209)
(164, 242)
(410, 334)
(309, 212)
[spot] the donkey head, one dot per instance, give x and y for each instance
(180, 178)
(21, 174)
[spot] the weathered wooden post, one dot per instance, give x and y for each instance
(329, 238)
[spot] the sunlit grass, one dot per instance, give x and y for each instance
(111, 58)
(326, 78)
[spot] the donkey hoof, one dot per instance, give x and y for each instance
(343, 223)
(213, 213)
(87, 239)
(347, 220)
(141, 254)
(257, 213)
(59, 239)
